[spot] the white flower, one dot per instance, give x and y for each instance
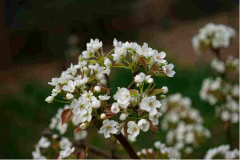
(143, 125)
(80, 135)
(44, 143)
(109, 126)
(189, 138)
(103, 116)
(218, 65)
(168, 69)
(37, 154)
(155, 118)
(49, 99)
(70, 87)
(79, 80)
(62, 128)
(107, 62)
(97, 88)
(123, 97)
(104, 97)
(80, 106)
(165, 89)
(133, 129)
(140, 77)
(66, 152)
(123, 116)
(225, 115)
(159, 57)
(94, 45)
(69, 96)
(115, 108)
(150, 104)
(145, 51)
(149, 79)
(65, 143)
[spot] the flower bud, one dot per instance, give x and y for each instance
(139, 153)
(133, 101)
(165, 89)
(123, 116)
(69, 96)
(83, 125)
(162, 96)
(103, 116)
(49, 99)
(96, 104)
(150, 80)
(97, 89)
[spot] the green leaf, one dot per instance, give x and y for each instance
(131, 65)
(133, 92)
(154, 92)
(92, 61)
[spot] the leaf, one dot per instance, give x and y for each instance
(110, 115)
(153, 127)
(119, 64)
(78, 129)
(154, 92)
(104, 89)
(101, 59)
(66, 115)
(133, 92)
(91, 79)
(143, 62)
(80, 155)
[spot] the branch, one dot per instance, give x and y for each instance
(128, 147)
(131, 85)
(84, 145)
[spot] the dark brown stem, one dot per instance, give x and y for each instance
(128, 147)
(124, 142)
(131, 85)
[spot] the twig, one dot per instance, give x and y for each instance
(131, 85)
(84, 145)
(128, 147)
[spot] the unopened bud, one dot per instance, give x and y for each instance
(103, 116)
(83, 126)
(97, 89)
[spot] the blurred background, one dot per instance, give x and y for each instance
(36, 45)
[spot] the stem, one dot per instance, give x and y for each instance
(128, 147)
(124, 142)
(131, 85)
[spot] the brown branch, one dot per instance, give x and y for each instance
(84, 145)
(131, 85)
(128, 147)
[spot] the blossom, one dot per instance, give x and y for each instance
(70, 87)
(123, 97)
(143, 125)
(115, 108)
(109, 126)
(80, 106)
(140, 77)
(150, 104)
(80, 135)
(159, 57)
(66, 152)
(133, 129)
(65, 143)
(49, 99)
(44, 143)
(104, 97)
(168, 69)
(218, 65)
(37, 154)
(155, 118)
(107, 62)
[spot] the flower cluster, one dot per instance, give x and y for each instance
(225, 95)
(183, 123)
(85, 87)
(159, 151)
(222, 67)
(222, 152)
(213, 36)
(60, 148)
